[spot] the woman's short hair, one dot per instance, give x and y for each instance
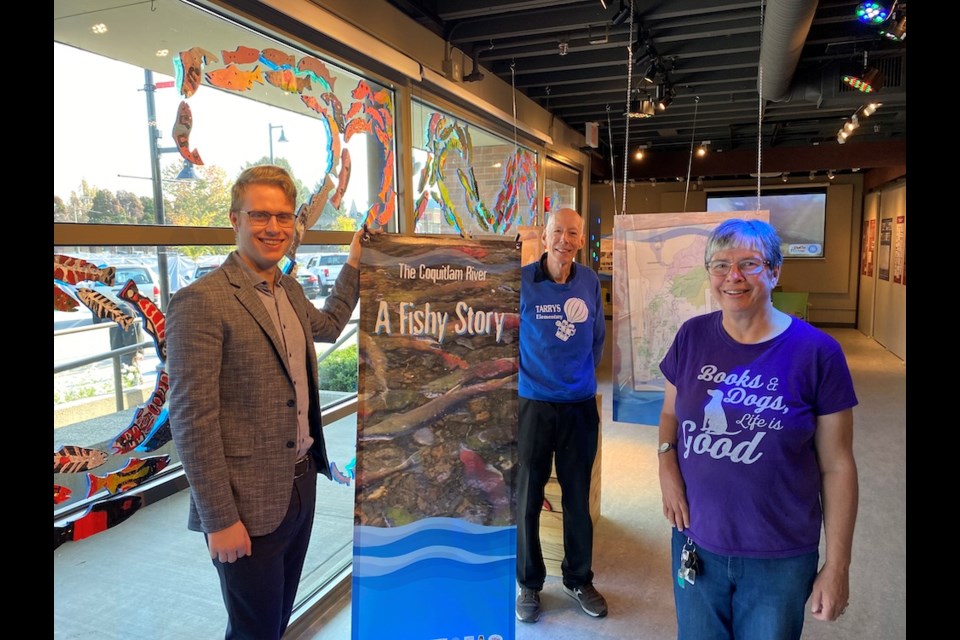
(745, 234)
(262, 174)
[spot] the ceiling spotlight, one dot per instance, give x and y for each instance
(872, 80)
(702, 149)
(563, 47)
(664, 97)
(653, 182)
(851, 124)
(898, 32)
(813, 174)
(621, 15)
(641, 108)
(99, 28)
(873, 12)
(869, 109)
(699, 181)
(640, 152)
(785, 177)
(830, 175)
(842, 136)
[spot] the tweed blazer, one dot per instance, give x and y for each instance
(232, 404)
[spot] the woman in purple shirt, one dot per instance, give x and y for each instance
(756, 454)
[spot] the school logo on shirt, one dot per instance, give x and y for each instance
(576, 312)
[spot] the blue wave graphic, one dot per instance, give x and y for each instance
(434, 532)
(377, 566)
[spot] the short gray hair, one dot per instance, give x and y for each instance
(745, 234)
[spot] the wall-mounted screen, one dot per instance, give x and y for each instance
(798, 215)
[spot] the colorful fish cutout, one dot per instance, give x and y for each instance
(143, 418)
(188, 68)
(99, 517)
(159, 435)
(234, 78)
(63, 301)
(75, 270)
(154, 322)
(105, 308)
(60, 494)
(316, 69)
(181, 133)
(342, 180)
(286, 80)
(136, 472)
(276, 59)
(74, 459)
(240, 55)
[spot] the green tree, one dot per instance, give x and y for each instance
(132, 206)
(338, 371)
(59, 210)
(203, 202)
(106, 209)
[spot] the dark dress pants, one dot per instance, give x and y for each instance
(568, 432)
(259, 589)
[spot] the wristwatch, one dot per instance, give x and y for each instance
(665, 446)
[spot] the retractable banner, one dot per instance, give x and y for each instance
(434, 553)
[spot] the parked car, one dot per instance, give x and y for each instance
(309, 282)
(202, 270)
(326, 266)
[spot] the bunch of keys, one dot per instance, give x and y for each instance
(689, 564)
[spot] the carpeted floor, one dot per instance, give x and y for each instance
(631, 550)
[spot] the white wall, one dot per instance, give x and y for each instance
(885, 320)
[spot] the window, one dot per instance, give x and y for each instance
(113, 170)
(468, 179)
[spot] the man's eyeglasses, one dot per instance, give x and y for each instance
(262, 218)
(748, 267)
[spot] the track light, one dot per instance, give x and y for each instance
(871, 81)
(869, 109)
(785, 177)
(702, 149)
(640, 152)
(872, 12)
(664, 97)
(830, 174)
(898, 32)
(621, 15)
(641, 108)
(813, 174)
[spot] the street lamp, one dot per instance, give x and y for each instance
(282, 138)
(186, 173)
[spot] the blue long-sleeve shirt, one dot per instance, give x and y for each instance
(562, 329)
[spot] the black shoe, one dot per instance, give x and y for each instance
(589, 598)
(528, 605)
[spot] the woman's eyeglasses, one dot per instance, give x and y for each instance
(748, 267)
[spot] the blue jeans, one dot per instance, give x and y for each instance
(742, 598)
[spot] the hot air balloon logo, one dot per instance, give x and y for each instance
(576, 311)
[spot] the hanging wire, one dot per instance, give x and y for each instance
(760, 110)
(693, 137)
(626, 111)
(613, 182)
(516, 159)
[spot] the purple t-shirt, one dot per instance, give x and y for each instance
(747, 415)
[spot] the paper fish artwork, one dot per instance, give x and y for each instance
(334, 103)
(63, 301)
(188, 69)
(286, 80)
(97, 518)
(240, 55)
(74, 459)
(105, 308)
(159, 435)
(181, 133)
(60, 494)
(153, 321)
(136, 472)
(143, 418)
(317, 70)
(276, 59)
(73, 270)
(234, 78)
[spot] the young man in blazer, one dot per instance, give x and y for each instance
(244, 404)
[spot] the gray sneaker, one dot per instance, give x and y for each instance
(528, 605)
(589, 598)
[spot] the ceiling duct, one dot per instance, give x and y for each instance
(785, 28)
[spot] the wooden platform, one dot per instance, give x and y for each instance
(551, 522)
